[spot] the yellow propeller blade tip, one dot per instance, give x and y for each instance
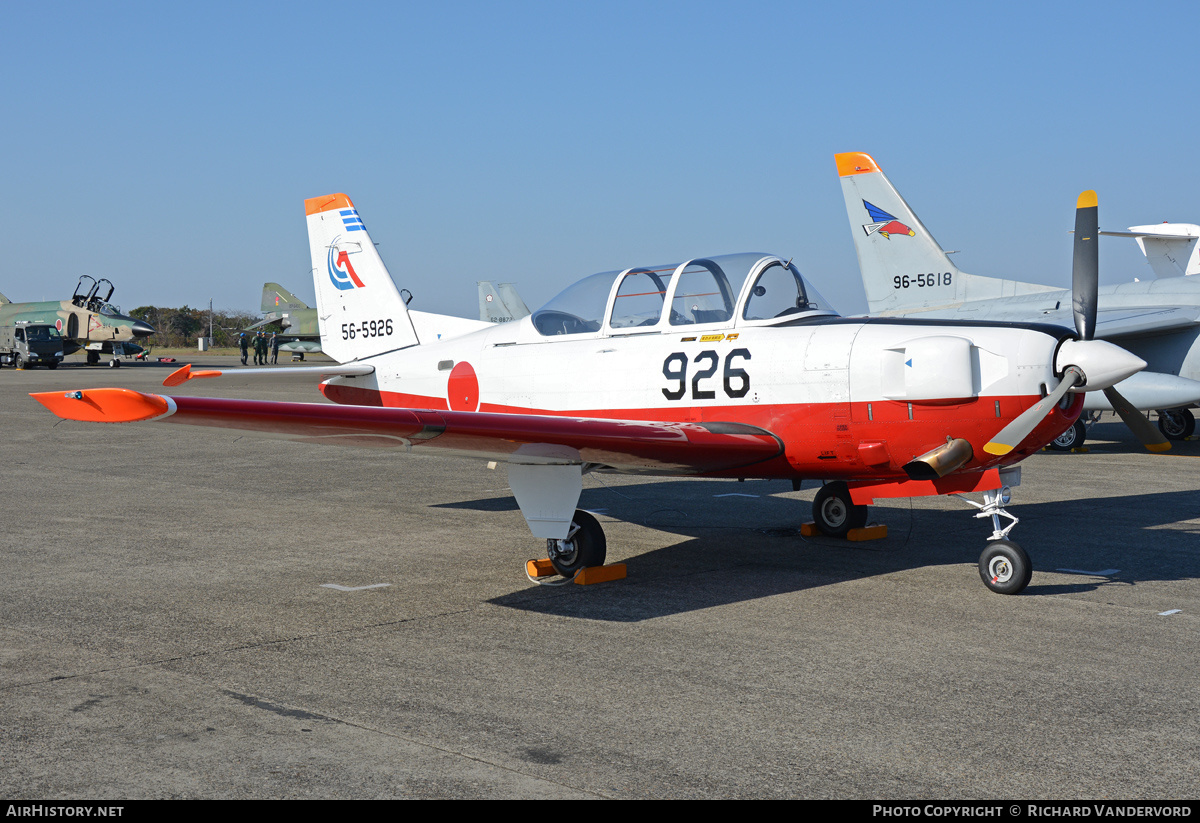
(997, 448)
(1158, 447)
(1087, 200)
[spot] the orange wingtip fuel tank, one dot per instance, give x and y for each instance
(184, 374)
(104, 405)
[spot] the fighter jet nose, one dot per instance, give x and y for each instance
(142, 329)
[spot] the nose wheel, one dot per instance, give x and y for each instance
(1004, 567)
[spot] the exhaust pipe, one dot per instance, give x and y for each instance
(939, 462)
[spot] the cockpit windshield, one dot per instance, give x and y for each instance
(780, 291)
(578, 309)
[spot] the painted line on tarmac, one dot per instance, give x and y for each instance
(354, 588)
(1104, 573)
(1169, 612)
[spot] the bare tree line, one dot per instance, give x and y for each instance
(182, 327)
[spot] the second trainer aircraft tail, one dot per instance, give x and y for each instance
(904, 270)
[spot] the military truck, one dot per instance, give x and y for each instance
(25, 345)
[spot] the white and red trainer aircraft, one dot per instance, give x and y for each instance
(728, 366)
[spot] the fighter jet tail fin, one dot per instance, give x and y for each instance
(905, 270)
(360, 311)
(276, 298)
(500, 305)
(4, 299)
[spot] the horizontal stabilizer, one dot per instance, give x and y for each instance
(307, 373)
(1170, 248)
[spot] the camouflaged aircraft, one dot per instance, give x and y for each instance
(86, 321)
(298, 320)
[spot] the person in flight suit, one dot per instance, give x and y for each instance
(243, 344)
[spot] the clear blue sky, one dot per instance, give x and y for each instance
(169, 147)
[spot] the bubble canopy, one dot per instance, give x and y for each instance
(749, 289)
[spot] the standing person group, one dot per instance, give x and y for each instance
(261, 345)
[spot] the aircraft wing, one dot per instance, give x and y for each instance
(270, 318)
(1113, 323)
(628, 446)
(1123, 322)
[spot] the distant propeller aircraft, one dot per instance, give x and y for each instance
(730, 366)
(909, 275)
(86, 321)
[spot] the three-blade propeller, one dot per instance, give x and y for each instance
(1106, 363)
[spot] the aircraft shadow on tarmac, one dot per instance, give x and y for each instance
(742, 542)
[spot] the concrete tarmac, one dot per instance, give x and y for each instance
(168, 629)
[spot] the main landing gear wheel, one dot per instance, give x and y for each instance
(835, 513)
(1004, 567)
(1176, 424)
(585, 546)
(93, 358)
(1072, 438)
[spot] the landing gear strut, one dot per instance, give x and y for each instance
(1004, 566)
(584, 546)
(834, 511)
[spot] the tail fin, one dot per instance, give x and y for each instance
(359, 310)
(4, 299)
(904, 270)
(1170, 248)
(512, 301)
(277, 298)
(500, 305)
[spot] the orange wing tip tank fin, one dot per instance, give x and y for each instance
(316, 205)
(184, 374)
(854, 162)
(540, 568)
(600, 574)
(105, 405)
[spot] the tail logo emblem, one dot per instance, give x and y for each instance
(886, 224)
(341, 270)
